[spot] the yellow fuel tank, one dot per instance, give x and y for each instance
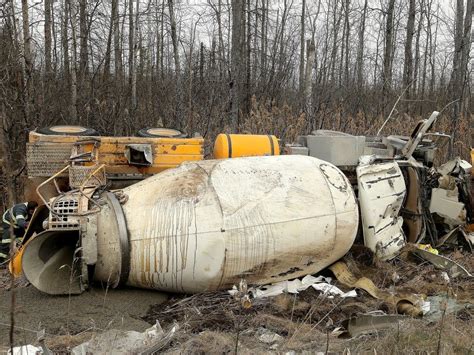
(245, 145)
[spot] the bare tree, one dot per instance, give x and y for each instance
(74, 69)
(83, 36)
(47, 37)
(462, 46)
(388, 50)
(65, 39)
(419, 29)
(174, 38)
(28, 64)
(310, 54)
(302, 42)
(361, 45)
(408, 64)
(237, 59)
(133, 48)
(117, 41)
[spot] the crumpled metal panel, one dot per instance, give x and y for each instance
(144, 151)
(381, 193)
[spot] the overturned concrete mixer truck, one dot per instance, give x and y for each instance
(204, 225)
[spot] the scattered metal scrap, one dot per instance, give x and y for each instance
(453, 268)
(409, 304)
(403, 197)
(370, 323)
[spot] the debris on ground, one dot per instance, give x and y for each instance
(370, 323)
(126, 342)
(319, 283)
(452, 268)
(308, 318)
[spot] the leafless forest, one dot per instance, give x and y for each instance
(275, 66)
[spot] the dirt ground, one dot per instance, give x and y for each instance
(216, 322)
(93, 311)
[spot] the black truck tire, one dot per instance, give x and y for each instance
(67, 130)
(160, 132)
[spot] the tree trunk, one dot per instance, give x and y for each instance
(335, 34)
(255, 47)
(117, 42)
(248, 49)
(47, 37)
(264, 44)
(162, 35)
(347, 49)
(54, 60)
(360, 50)
(7, 160)
(73, 106)
(465, 54)
(132, 70)
(408, 64)
(174, 39)
(302, 42)
(108, 51)
(65, 41)
(201, 63)
(388, 53)
(416, 68)
(460, 61)
(221, 51)
(237, 59)
(308, 87)
(159, 39)
(83, 34)
(432, 51)
(177, 66)
(28, 65)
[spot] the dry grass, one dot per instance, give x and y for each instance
(286, 122)
(306, 321)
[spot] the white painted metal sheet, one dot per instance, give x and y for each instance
(381, 193)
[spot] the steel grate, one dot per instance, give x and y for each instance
(65, 210)
(46, 159)
(79, 175)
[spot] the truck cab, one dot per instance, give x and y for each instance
(61, 158)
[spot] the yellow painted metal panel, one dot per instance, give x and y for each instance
(167, 152)
(472, 161)
(176, 149)
(119, 159)
(37, 137)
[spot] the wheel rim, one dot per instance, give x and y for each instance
(168, 132)
(68, 129)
